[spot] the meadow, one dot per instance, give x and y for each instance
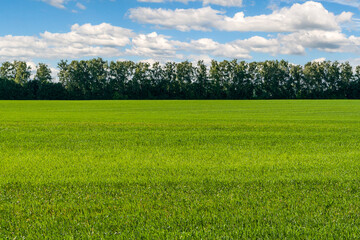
(180, 169)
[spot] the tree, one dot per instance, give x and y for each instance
(74, 77)
(96, 79)
(43, 73)
(97, 75)
(7, 71)
(171, 80)
(226, 73)
(63, 74)
(185, 78)
(9, 90)
(238, 87)
(159, 85)
(353, 91)
(256, 80)
(215, 80)
(22, 72)
(139, 84)
(120, 73)
(346, 76)
(201, 85)
(296, 82)
(51, 91)
(314, 80)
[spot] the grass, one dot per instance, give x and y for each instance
(180, 169)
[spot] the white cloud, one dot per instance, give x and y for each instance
(105, 40)
(307, 16)
(154, 46)
(85, 40)
(201, 19)
(353, 3)
(225, 3)
(80, 6)
(232, 50)
(210, 47)
(203, 45)
(103, 34)
(319, 60)
(195, 58)
(62, 4)
(274, 4)
(260, 44)
(150, 61)
(353, 62)
(328, 41)
(32, 66)
(56, 3)
(290, 44)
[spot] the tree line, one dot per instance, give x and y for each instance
(99, 79)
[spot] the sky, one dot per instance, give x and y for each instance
(177, 30)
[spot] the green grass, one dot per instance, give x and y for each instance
(180, 169)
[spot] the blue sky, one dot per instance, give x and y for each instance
(177, 30)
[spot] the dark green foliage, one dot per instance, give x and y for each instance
(354, 86)
(15, 83)
(38, 90)
(9, 90)
(99, 79)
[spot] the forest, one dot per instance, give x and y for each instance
(97, 79)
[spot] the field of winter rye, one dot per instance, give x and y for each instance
(179, 169)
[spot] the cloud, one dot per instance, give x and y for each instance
(225, 3)
(62, 4)
(80, 6)
(274, 4)
(286, 44)
(201, 19)
(319, 60)
(352, 3)
(195, 58)
(307, 16)
(355, 62)
(86, 35)
(206, 46)
(85, 40)
(56, 3)
(154, 46)
(105, 40)
(322, 40)
(149, 60)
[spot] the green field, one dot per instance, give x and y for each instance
(180, 169)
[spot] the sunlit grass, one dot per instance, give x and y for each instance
(180, 169)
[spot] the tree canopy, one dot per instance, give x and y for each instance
(100, 79)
